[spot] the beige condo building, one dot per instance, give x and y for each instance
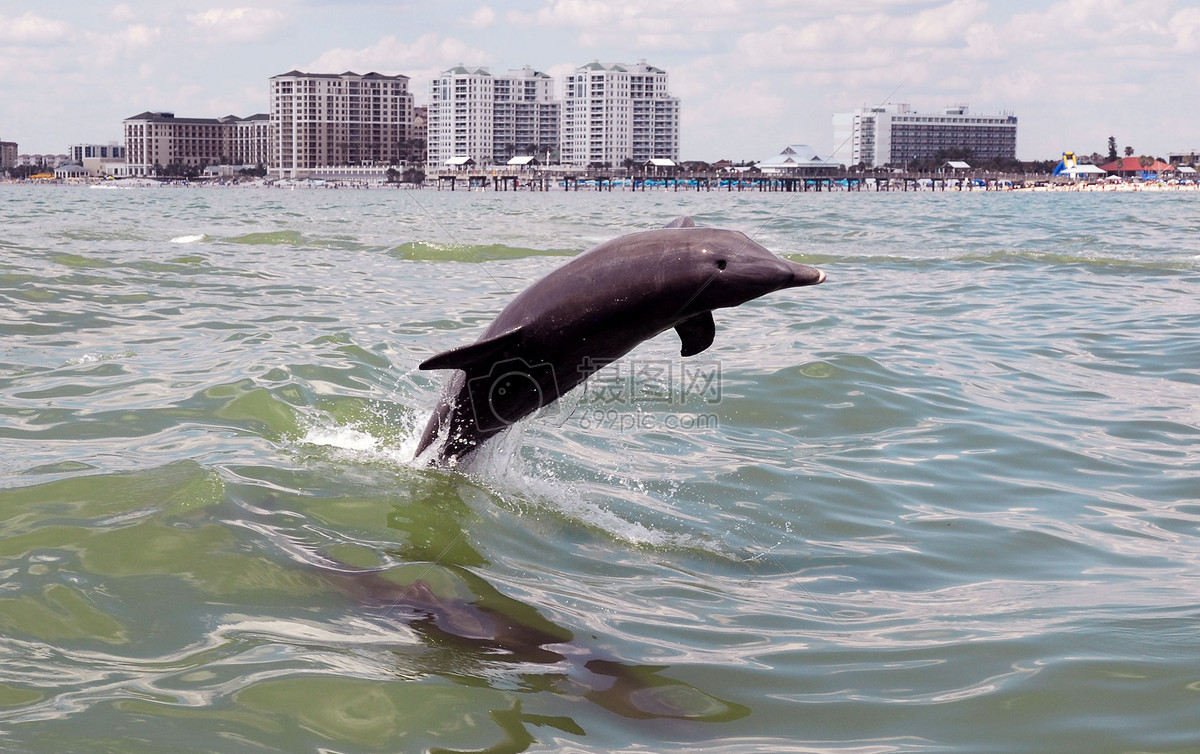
(155, 141)
(348, 119)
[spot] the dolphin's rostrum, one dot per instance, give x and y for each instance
(592, 311)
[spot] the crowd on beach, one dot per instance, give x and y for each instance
(1119, 186)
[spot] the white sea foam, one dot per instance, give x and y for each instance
(500, 466)
(358, 445)
(197, 238)
(343, 438)
(92, 358)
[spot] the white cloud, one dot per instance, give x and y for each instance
(122, 13)
(107, 49)
(946, 24)
(421, 60)
(483, 18)
(586, 13)
(29, 28)
(238, 24)
(848, 35)
(661, 25)
(1186, 27)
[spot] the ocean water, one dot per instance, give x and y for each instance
(947, 501)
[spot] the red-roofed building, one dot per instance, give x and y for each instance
(1131, 167)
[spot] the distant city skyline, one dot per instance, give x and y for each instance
(752, 75)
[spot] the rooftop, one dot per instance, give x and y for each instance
(348, 74)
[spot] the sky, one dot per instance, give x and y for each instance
(753, 76)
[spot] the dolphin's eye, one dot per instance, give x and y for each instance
(720, 264)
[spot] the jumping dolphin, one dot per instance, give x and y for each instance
(592, 311)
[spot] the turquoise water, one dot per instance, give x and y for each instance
(947, 501)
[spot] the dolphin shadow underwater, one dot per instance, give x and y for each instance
(452, 608)
(471, 630)
(590, 312)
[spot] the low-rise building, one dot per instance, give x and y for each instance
(99, 160)
(796, 159)
(1189, 157)
(45, 161)
(71, 170)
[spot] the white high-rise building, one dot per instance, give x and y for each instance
(321, 119)
(525, 115)
(460, 116)
(896, 134)
(614, 113)
(491, 118)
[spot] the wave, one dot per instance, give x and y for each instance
(1000, 257)
(1003, 256)
(294, 238)
(437, 252)
(271, 238)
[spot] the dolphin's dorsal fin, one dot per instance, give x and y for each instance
(681, 222)
(483, 353)
(697, 333)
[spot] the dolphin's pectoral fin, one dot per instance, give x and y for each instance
(681, 222)
(696, 333)
(482, 353)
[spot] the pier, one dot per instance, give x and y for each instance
(575, 179)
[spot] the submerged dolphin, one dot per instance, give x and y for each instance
(592, 311)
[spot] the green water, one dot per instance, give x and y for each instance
(947, 501)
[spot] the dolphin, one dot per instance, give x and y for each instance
(591, 311)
